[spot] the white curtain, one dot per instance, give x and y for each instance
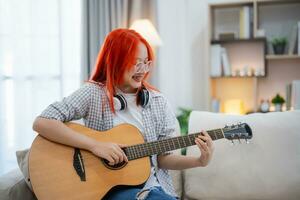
(39, 63)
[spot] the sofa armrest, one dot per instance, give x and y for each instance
(14, 187)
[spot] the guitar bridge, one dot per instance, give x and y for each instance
(78, 164)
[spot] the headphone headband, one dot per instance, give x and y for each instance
(143, 96)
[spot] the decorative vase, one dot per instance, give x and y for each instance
(278, 107)
(279, 48)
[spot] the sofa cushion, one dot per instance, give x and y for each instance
(267, 168)
(22, 158)
(13, 186)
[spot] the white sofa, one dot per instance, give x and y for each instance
(267, 168)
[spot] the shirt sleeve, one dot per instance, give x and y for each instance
(70, 108)
(168, 126)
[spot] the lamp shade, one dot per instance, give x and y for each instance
(147, 30)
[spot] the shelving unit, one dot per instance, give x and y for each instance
(274, 18)
(232, 77)
(238, 40)
(282, 57)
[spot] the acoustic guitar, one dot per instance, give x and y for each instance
(60, 172)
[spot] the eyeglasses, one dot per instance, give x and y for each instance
(143, 66)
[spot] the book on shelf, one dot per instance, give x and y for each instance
(288, 93)
(215, 105)
(225, 62)
(215, 60)
(293, 40)
(296, 94)
(298, 37)
(245, 21)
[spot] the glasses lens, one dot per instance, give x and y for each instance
(143, 67)
(139, 67)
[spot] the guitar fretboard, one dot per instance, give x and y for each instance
(161, 146)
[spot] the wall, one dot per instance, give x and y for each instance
(182, 73)
(280, 72)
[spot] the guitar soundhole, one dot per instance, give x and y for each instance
(114, 167)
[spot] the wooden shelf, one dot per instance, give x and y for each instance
(218, 77)
(276, 2)
(238, 40)
(230, 4)
(282, 57)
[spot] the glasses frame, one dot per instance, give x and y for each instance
(143, 66)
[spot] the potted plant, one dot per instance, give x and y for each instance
(278, 101)
(183, 119)
(279, 45)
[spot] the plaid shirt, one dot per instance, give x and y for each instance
(90, 102)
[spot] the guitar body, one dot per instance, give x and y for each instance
(53, 176)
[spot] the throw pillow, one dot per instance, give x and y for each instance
(22, 158)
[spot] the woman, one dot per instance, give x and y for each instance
(116, 93)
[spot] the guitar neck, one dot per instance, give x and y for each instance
(161, 146)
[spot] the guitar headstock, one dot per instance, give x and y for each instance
(237, 132)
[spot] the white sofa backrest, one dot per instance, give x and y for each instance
(267, 168)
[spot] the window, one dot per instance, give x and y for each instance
(39, 64)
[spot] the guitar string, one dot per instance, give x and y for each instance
(150, 148)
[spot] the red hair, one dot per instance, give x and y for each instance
(118, 54)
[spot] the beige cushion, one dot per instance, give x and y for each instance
(267, 168)
(22, 158)
(13, 187)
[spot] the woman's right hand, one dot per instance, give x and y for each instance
(109, 151)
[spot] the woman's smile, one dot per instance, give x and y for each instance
(138, 77)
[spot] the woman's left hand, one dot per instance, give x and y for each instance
(205, 144)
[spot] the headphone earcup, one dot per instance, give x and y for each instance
(144, 97)
(120, 102)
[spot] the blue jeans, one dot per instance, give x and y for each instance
(155, 193)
